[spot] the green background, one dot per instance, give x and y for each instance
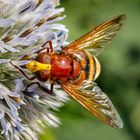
(120, 76)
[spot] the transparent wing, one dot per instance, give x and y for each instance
(96, 40)
(90, 96)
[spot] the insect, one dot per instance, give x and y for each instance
(76, 68)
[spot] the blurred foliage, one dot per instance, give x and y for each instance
(120, 76)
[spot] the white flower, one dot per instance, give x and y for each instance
(25, 26)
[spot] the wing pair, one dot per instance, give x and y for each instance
(89, 95)
(95, 41)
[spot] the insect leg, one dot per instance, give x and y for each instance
(45, 89)
(22, 72)
(51, 47)
(45, 46)
(51, 89)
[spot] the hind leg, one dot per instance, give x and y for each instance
(32, 93)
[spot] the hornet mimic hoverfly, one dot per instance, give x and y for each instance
(76, 68)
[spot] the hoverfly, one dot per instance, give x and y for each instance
(76, 68)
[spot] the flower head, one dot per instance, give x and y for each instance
(25, 26)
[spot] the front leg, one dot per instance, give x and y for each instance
(22, 72)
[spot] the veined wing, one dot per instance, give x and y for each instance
(90, 96)
(96, 40)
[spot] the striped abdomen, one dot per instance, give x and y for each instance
(90, 67)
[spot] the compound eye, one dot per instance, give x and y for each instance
(43, 58)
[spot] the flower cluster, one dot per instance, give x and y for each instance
(25, 25)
